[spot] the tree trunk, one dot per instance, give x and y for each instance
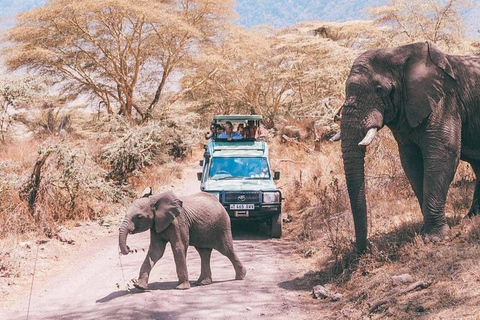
(30, 190)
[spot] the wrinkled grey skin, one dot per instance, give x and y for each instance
(198, 220)
(431, 103)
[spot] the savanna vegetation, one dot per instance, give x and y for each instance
(104, 98)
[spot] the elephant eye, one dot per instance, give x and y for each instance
(378, 89)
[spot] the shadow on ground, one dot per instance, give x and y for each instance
(250, 230)
(338, 268)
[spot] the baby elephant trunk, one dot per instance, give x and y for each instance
(122, 236)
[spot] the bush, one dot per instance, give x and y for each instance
(66, 184)
(14, 217)
(142, 147)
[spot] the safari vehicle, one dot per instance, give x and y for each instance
(238, 173)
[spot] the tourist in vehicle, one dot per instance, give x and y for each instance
(210, 133)
(229, 134)
(219, 129)
(250, 131)
(240, 128)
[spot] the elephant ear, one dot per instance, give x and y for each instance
(166, 207)
(429, 76)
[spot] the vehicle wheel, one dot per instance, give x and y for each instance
(277, 224)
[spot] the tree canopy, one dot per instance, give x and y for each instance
(123, 51)
(438, 21)
(273, 72)
(133, 56)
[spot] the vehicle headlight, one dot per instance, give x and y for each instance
(270, 197)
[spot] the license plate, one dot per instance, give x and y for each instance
(242, 206)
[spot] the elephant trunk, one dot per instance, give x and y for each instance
(122, 236)
(353, 161)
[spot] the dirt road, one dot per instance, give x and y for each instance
(93, 282)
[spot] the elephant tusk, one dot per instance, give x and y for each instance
(336, 137)
(368, 137)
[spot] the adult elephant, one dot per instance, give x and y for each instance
(431, 103)
(198, 220)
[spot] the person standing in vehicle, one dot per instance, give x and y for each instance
(229, 134)
(210, 133)
(251, 131)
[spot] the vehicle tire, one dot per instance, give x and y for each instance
(276, 227)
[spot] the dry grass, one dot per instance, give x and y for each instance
(321, 223)
(15, 159)
(71, 183)
(158, 176)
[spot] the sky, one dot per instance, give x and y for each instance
(9, 8)
(277, 13)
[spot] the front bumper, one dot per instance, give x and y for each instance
(232, 201)
(264, 211)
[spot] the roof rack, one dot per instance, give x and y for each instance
(239, 146)
(237, 117)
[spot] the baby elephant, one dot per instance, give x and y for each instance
(198, 220)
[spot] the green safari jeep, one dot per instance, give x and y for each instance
(238, 173)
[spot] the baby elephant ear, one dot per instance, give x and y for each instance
(167, 207)
(147, 192)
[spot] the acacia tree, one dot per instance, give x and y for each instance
(109, 48)
(438, 21)
(321, 65)
(203, 21)
(272, 72)
(241, 75)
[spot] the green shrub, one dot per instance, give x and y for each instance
(143, 146)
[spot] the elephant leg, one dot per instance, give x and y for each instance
(155, 252)
(412, 163)
(440, 167)
(206, 273)
(475, 209)
(228, 251)
(180, 257)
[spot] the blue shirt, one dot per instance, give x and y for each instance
(234, 135)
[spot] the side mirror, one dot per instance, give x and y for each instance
(201, 163)
(199, 176)
(276, 175)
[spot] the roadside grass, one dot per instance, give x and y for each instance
(321, 226)
(158, 177)
(58, 180)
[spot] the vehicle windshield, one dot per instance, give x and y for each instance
(239, 168)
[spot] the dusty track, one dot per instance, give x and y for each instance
(91, 281)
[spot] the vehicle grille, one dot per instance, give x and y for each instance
(250, 197)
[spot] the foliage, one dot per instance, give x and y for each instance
(143, 146)
(16, 91)
(321, 65)
(290, 76)
(109, 48)
(67, 184)
(231, 77)
(270, 72)
(438, 21)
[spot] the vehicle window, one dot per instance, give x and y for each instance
(239, 168)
